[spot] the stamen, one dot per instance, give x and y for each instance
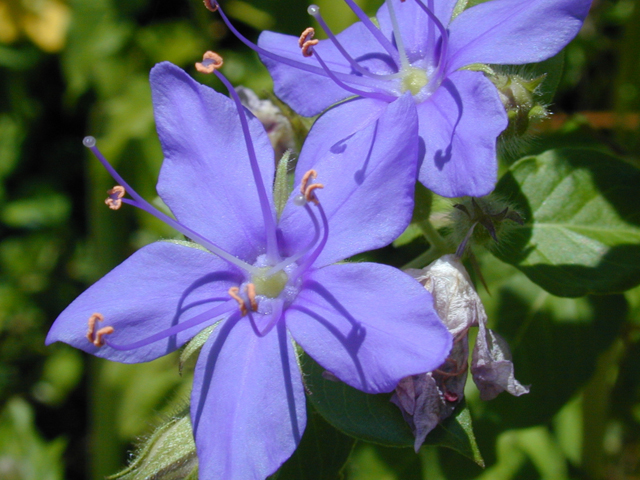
(404, 60)
(211, 6)
(351, 79)
(444, 35)
(97, 337)
(234, 293)
(213, 313)
(99, 341)
(114, 200)
(276, 314)
(251, 293)
(316, 252)
(306, 42)
(141, 203)
(314, 11)
(308, 175)
(309, 195)
(375, 31)
(306, 189)
(96, 317)
(210, 62)
(301, 202)
(268, 214)
(293, 63)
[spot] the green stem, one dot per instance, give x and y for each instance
(595, 411)
(423, 259)
(432, 236)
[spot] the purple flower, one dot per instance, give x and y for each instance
(268, 281)
(421, 47)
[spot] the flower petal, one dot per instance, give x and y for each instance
(248, 405)
(158, 287)
(365, 153)
(491, 366)
(415, 25)
(514, 32)
(308, 93)
(368, 324)
(206, 177)
(459, 125)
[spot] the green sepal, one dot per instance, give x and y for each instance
(194, 346)
(583, 230)
(169, 453)
(281, 186)
(374, 418)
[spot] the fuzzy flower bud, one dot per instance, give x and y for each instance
(520, 97)
(427, 399)
(169, 453)
(477, 221)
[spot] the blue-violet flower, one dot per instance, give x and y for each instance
(422, 47)
(265, 280)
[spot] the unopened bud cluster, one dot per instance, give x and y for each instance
(520, 98)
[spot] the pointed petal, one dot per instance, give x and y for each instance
(459, 125)
(514, 32)
(248, 405)
(415, 25)
(158, 287)
(368, 324)
(365, 153)
(491, 366)
(309, 93)
(206, 177)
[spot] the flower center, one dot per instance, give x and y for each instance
(414, 80)
(269, 285)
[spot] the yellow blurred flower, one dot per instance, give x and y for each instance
(44, 22)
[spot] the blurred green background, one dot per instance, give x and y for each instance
(69, 68)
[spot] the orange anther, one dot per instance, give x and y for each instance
(210, 5)
(306, 41)
(309, 195)
(251, 293)
(210, 62)
(234, 293)
(93, 319)
(114, 200)
(96, 337)
(309, 175)
(99, 342)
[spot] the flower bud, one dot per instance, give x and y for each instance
(478, 221)
(169, 453)
(520, 99)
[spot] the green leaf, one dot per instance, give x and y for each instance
(23, 452)
(321, 455)
(375, 419)
(582, 231)
(555, 344)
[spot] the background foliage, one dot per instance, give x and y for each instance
(69, 68)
